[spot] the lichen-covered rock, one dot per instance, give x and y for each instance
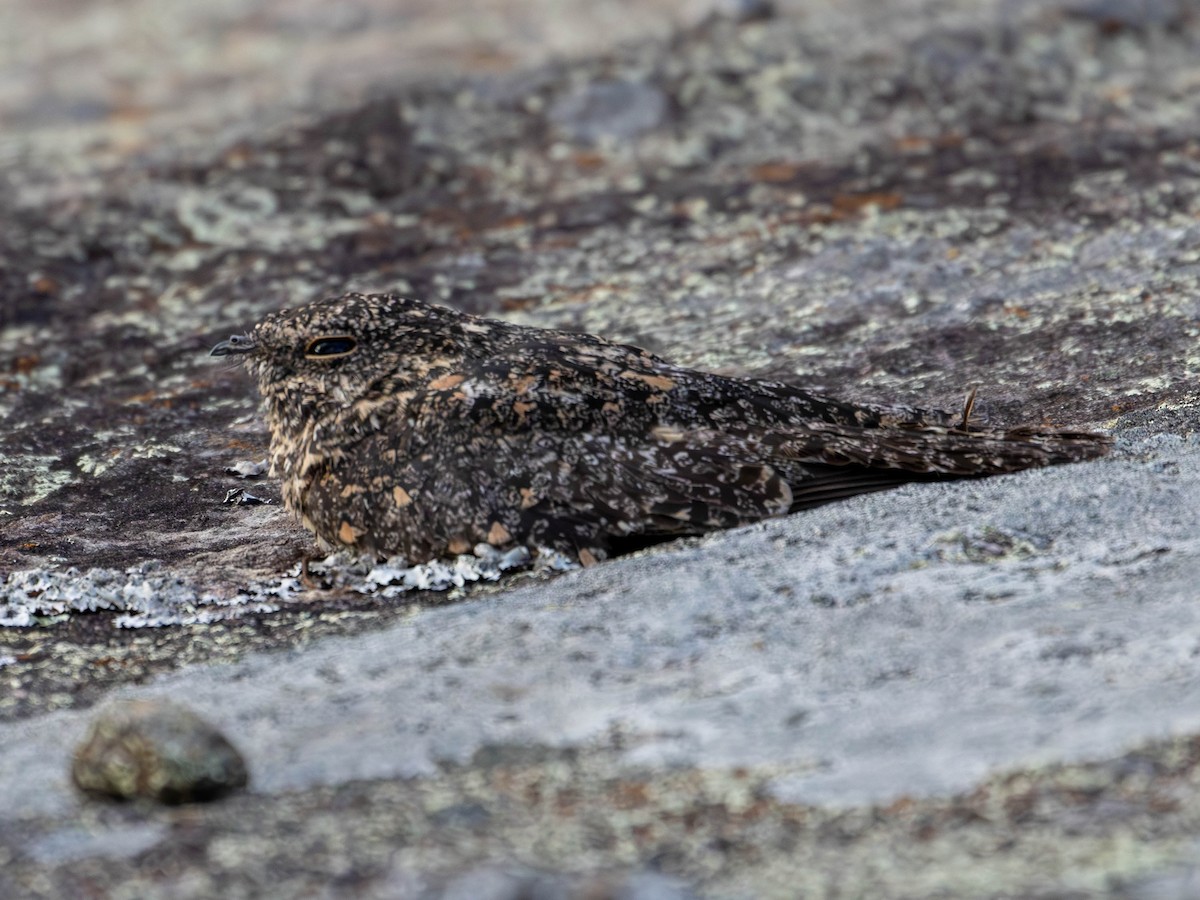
(156, 750)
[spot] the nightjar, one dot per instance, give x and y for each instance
(400, 428)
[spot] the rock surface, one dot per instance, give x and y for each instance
(973, 689)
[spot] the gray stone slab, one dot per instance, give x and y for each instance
(906, 643)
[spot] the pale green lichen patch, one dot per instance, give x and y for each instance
(93, 465)
(985, 544)
(26, 479)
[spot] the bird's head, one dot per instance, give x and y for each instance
(321, 358)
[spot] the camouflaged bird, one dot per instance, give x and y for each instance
(400, 428)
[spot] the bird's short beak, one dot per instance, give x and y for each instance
(238, 343)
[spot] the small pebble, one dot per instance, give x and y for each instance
(156, 750)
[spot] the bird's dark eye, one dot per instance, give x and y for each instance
(326, 347)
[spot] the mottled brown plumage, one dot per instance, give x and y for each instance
(402, 428)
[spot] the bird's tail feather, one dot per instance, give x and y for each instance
(937, 449)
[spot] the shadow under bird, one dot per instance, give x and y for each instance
(400, 428)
